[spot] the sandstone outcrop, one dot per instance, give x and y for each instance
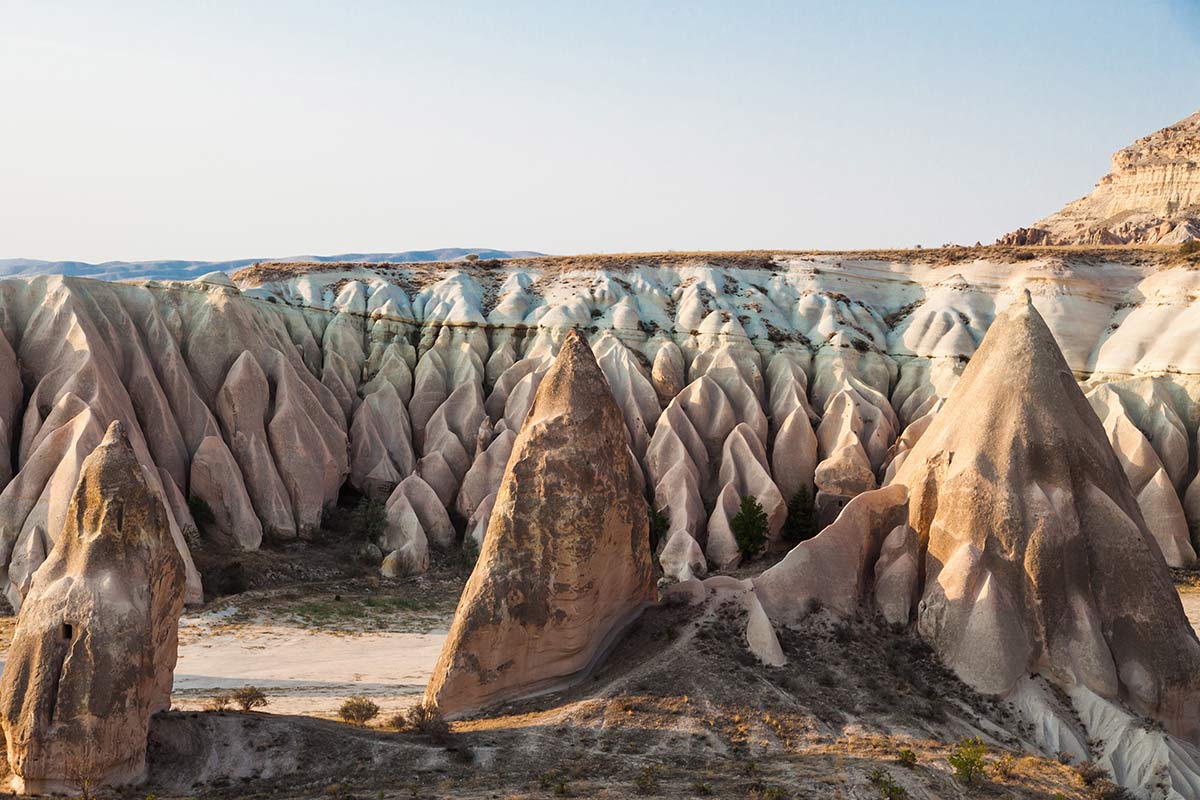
(1151, 195)
(565, 565)
(93, 654)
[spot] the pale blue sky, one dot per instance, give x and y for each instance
(156, 130)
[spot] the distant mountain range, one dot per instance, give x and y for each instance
(186, 270)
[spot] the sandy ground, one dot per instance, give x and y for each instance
(310, 666)
(310, 650)
(301, 671)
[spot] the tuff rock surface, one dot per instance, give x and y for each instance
(1037, 556)
(263, 396)
(93, 654)
(565, 563)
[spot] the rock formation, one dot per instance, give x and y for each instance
(260, 398)
(565, 564)
(1037, 558)
(93, 654)
(1150, 196)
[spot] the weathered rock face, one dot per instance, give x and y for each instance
(735, 375)
(93, 654)
(1038, 559)
(565, 564)
(1150, 196)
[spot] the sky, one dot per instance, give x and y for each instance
(224, 130)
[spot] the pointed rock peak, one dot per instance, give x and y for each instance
(116, 435)
(112, 497)
(574, 380)
(565, 564)
(1037, 556)
(94, 649)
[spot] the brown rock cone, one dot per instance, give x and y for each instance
(1037, 556)
(94, 651)
(565, 564)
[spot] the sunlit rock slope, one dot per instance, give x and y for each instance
(254, 402)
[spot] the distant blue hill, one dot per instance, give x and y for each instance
(186, 270)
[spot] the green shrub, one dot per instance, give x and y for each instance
(423, 719)
(248, 698)
(554, 780)
(369, 519)
(906, 758)
(967, 760)
(358, 710)
(749, 527)
(801, 523)
(659, 526)
(886, 785)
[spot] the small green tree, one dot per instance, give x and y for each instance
(369, 519)
(749, 527)
(659, 525)
(967, 760)
(801, 524)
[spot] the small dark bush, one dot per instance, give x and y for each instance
(248, 698)
(368, 520)
(556, 781)
(358, 710)
(886, 785)
(423, 719)
(659, 526)
(906, 758)
(749, 527)
(800, 524)
(1189, 248)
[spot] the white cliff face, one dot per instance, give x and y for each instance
(740, 375)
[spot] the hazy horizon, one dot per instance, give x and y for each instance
(134, 133)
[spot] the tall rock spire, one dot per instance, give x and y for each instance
(93, 655)
(565, 564)
(1037, 558)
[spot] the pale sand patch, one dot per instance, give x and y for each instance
(302, 671)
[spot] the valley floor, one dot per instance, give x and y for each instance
(680, 709)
